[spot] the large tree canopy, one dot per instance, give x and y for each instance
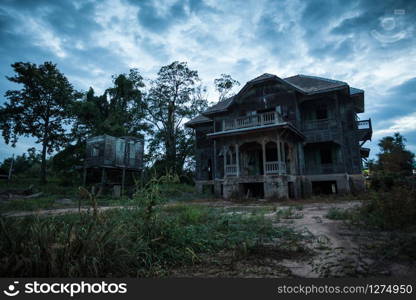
(174, 97)
(118, 112)
(39, 109)
(393, 157)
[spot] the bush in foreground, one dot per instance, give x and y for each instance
(395, 209)
(123, 242)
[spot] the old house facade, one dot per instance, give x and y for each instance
(283, 138)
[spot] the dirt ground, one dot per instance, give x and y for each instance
(331, 248)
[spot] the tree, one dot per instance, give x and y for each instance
(224, 85)
(174, 96)
(118, 112)
(39, 109)
(21, 163)
(393, 157)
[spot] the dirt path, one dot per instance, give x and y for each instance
(58, 211)
(336, 247)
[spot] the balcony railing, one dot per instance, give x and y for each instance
(364, 124)
(325, 169)
(365, 130)
(319, 124)
(273, 167)
(261, 119)
(231, 170)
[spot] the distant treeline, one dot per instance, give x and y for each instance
(60, 118)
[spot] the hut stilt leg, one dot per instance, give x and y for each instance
(123, 178)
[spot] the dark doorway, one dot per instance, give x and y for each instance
(321, 113)
(326, 155)
(271, 151)
(253, 190)
(324, 187)
(251, 159)
(291, 190)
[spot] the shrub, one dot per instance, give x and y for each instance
(389, 210)
(289, 213)
(337, 214)
(119, 242)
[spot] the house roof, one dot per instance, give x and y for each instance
(198, 120)
(262, 77)
(354, 91)
(305, 84)
(219, 106)
(313, 84)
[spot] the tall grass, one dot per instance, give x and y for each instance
(123, 243)
(145, 241)
(394, 209)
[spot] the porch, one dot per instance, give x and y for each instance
(260, 158)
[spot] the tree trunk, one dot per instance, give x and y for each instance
(43, 164)
(170, 142)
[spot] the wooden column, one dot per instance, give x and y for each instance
(214, 174)
(263, 148)
(102, 176)
(279, 158)
(225, 161)
(123, 178)
(84, 176)
(237, 154)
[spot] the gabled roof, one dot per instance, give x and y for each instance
(355, 91)
(313, 84)
(262, 77)
(220, 106)
(198, 120)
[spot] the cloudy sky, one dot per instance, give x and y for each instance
(369, 44)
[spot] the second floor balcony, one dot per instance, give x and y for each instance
(319, 124)
(257, 120)
(365, 130)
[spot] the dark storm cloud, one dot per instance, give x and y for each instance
(149, 18)
(158, 18)
(360, 24)
(399, 101)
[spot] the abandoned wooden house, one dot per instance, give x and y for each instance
(283, 138)
(109, 159)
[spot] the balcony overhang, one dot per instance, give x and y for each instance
(262, 128)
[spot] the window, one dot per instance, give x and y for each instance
(218, 126)
(321, 113)
(95, 151)
(326, 156)
(279, 109)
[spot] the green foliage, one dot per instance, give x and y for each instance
(338, 214)
(39, 109)
(289, 213)
(22, 163)
(174, 96)
(118, 112)
(66, 165)
(119, 243)
(394, 209)
(393, 164)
